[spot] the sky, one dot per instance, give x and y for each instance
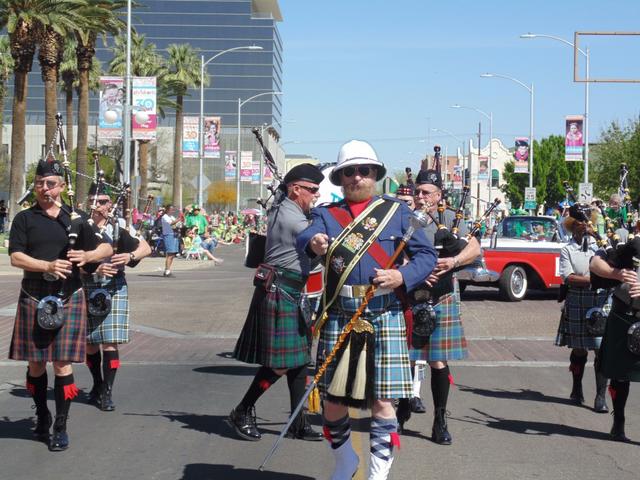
(387, 72)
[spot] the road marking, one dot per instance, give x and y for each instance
(9, 310)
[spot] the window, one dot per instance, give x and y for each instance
(495, 178)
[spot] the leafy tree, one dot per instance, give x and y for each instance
(6, 68)
(549, 171)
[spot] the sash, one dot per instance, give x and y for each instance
(352, 244)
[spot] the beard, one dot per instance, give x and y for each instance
(359, 192)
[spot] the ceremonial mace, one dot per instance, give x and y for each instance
(418, 220)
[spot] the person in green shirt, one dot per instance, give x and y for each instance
(195, 219)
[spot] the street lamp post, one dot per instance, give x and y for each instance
(530, 90)
(586, 94)
(240, 104)
(201, 120)
(126, 134)
(490, 166)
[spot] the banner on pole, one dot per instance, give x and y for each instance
(111, 108)
(530, 198)
(573, 141)
(212, 137)
(229, 165)
(483, 168)
(246, 165)
(521, 155)
(255, 173)
(190, 144)
(144, 120)
(267, 175)
(457, 177)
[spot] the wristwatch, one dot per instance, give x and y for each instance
(132, 256)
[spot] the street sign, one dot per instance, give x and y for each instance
(530, 198)
(205, 182)
(585, 192)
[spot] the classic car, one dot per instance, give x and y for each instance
(523, 252)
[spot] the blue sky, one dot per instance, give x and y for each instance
(387, 72)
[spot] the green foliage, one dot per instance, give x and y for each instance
(619, 144)
(549, 171)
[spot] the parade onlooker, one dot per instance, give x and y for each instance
(170, 238)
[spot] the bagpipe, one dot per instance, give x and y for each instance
(256, 243)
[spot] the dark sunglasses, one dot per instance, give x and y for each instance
(104, 201)
(363, 171)
(312, 190)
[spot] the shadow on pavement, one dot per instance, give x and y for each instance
(240, 369)
(205, 471)
(212, 424)
(521, 394)
(528, 427)
(18, 429)
(492, 294)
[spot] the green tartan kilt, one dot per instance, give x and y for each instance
(572, 330)
(32, 343)
(274, 334)
(616, 361)
(113, 327)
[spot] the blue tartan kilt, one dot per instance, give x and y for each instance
(572, 330)
(113, 327)
(447, 342)
(392, 367)
(32, 343)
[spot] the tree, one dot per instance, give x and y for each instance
(618, 145)
(101, 17)
(183, 73)
(549, 171)
(6, 67)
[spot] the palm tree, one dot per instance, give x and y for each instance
(184, 73)
(69, 73)
(6, 67)
(145, 62)
(102, 16)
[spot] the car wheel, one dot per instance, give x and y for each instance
(513, 283)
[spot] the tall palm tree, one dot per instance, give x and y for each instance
(102, 17)
(184, 73)
(145, 62)
(6, 67)
(69, 73)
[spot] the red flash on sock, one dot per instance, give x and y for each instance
(264, 385)
(114, 364)
(612, 392)
(395, 440)
(327, 433)
(70, 391)
(31, 388)
(451, 382)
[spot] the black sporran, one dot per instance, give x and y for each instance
(424, 323)
(596, 321)
(99, 303)
(633, 338)
(50, 313)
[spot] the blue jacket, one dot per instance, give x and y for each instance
(423, 256)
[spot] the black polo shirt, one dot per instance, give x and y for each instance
(42, 237)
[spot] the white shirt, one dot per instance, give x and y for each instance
(167, 220)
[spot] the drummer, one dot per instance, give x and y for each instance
(275, 334)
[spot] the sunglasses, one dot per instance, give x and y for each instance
(362, 171)
(424, 193)
(49, 183)
(103, 201)
(312, 190)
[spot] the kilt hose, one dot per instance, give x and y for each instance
(447, 342)
(32, 343)
(113, 327)
(572, 330)
(274, 333)
(392, 367)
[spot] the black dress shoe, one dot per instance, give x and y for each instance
(93, 398)
(403, 413)
(417, 406)
(244, 424)
(576, 394)
(59, 441)
(43, 424)
(304, 431)
(617, 431)
(439, 432)
(106, 402)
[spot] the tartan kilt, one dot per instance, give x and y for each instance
(392, 367)
(32, 343)
(572, 330)
(447, 342)
(274, 333)
(113, 327)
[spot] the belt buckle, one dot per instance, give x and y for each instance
(359, 291)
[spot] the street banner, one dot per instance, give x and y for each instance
(457, 177)
(230, 165)
(111, 108)
(267, 176)
(255, 173)
(246, 165)
(212, 137)
(190, 137)
(530, 198)
(521, 155)
(144, 120)
(483, 168)
(573, 141)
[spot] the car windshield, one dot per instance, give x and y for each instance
(528, 228)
